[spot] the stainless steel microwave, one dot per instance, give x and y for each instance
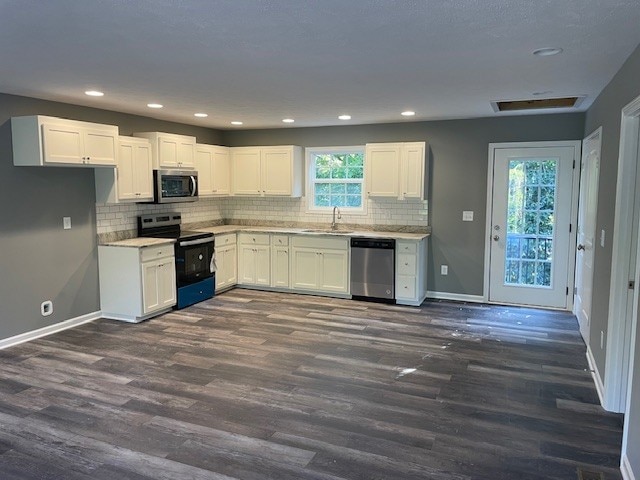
(174, 186)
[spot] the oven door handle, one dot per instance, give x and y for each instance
(200, 241)
(193, 183)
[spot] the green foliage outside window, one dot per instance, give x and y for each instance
(530, 222)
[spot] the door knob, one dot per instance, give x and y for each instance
(496, 238)
(580, 247)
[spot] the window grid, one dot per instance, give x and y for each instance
(337, 179)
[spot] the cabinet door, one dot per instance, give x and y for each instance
(125, 171)
(276, 171)
(150, 287)
(204, 166)
(245, 163)
(382, 165)
(167, 283)
(231, 265)
(334, 271)
(413, 166)
(247, 264)
(263, 265)
(304, 269)
(186, 153)
(221, 169)
(62, 144)
(100, 146)
(280, 267)
(168, 152)
(143, 172)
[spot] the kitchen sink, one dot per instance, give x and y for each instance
(327, 230)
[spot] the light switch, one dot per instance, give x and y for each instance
(467, 216)
(66, 223)
(602, 238)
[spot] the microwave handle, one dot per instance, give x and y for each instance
(193, 183)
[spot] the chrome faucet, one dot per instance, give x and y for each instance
(333, 221)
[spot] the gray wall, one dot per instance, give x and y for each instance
(606, 112)
(39, 260)
(458, 180)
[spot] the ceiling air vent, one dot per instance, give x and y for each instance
(536, 104)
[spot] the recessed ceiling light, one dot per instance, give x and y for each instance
(154, 105)
(94, 93)
(200, 115)
(547, 51)
(344, 117)
(236, 122)
(408, 113)
(288, 120)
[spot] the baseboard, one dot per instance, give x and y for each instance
(625, 468)
(596, 375)
(51, 329)
(458, 297)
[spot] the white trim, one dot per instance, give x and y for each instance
(597, 378)
(49, 330)
(625, 468)
(617, 353)
(458, 297)
(576, 144)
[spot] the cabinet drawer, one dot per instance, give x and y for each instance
(279, 240)
(254, 238)
(161, 251)
(405, 286)
(406, 264)
(406, 247)
(225, 239)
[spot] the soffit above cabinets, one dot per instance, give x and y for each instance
(261, 62)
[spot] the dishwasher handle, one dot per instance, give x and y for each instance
(383, 243)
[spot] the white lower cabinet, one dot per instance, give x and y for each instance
(136, 283)
(280, 261)
(254, 259)
(411, 271)
(320, 264)
(226, 261)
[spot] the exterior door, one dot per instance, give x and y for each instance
(530, 225)
(587, 207)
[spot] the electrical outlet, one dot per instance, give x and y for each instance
(46, 308)
(601, 339)
(467, 216)
(66, 223)
(444, 270)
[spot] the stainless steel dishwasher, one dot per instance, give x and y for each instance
(373, 269)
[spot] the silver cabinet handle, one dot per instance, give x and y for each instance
(496, 238)
(580, 247)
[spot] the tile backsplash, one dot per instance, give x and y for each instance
(388, 212)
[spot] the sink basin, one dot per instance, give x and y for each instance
(327, 230)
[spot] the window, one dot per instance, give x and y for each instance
(336, 178)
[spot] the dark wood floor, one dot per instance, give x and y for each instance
(258, 385)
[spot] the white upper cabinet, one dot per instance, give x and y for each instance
(214, 170)
(39, 140)
(132, 179)
(264, 171)
(170, 150)
(396, 170)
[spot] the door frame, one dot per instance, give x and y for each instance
(618, 355)
(571, 261)
(597, 133)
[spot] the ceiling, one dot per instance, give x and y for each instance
(259, 61)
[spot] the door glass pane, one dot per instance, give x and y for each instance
(530, 222)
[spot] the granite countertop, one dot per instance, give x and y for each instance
(140, 242)
(222, 229)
